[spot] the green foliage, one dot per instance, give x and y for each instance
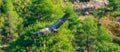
(38, 10)
(0, 2)
(89, 34)
(60, 42)
(10, 21)
(8, 5)
(96, 30)
(106, 47)
(115, 6)
(19, 19)
(1, 23)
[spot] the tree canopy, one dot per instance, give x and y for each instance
(96, 32)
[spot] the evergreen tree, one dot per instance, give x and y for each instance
(92, 37)
(115, 7)
(12, 22)
(19, 19)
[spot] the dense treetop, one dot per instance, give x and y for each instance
(98, 31)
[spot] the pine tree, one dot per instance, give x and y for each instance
(93, 36)
(12, 22)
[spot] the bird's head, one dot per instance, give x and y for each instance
(55, 31)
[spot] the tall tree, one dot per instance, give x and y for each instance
(12, 22)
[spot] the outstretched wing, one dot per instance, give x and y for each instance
(52, 28)
(60, 21)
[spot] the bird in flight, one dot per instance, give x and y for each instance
(53, 27)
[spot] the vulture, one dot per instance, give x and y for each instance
(53, 27)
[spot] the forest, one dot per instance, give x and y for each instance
(73, 25)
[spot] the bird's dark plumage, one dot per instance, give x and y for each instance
(52, 28)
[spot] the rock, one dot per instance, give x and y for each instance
(85, 7)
